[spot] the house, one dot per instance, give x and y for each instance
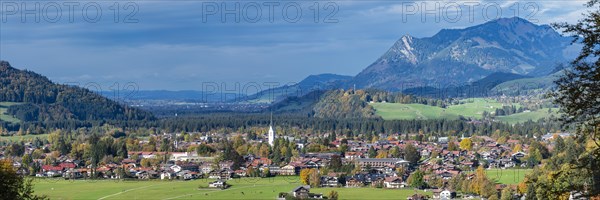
(175, 168)
(261, 162)
(329, 181)
(354, 182)
(293, 168)
(447, 194)
(53, 173)
(206, 168)
(67, 165)
(518, 155)
(417, 197)
(240, 173)
(393, 182)
(73, 174)
(46, 168)
(167, 176)
(224, 174)
(377, 182)
(301, 192)
(550, 136)
(185, 156)
(425, 153)
(274, 169)
(287, 170)
(190, 166)
(187, 175)
(218, 184)
(353, 155)
(443, 140)
(226, 164)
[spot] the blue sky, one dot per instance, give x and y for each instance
(181, 45)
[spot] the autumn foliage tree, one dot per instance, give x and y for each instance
(466, 144)
(305, 176)
(578, 94)
(13, 186)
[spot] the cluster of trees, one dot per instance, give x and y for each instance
(560, 174)
(573, 169)
(310, 177)
(479, 184)
(397, 97)
(416, 179)
(344, 104)
(508, 110)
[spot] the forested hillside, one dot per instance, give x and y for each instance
(41, 100)
(344, 104)
(347, 104)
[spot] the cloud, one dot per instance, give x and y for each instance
(172, 46)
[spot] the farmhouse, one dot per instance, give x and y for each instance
(224, 174)
(393, 182)
(303, 192)
(217, 184)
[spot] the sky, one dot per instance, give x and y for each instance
(189, 45)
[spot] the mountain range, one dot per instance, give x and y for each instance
(461, 56)
(453, 60)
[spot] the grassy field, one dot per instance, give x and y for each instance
(247, 188)
(507, 176)
(525, 116)
(3, 116)
(473, 108)
(23, 138)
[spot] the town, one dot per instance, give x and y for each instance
(445, 166)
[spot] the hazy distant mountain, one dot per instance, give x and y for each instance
(182, 95)
(307, 85)
(461, 56)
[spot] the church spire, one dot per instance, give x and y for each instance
(271, 134)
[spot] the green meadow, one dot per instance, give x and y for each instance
(473, 108)
(507, 176)
(470, 108)
(25, 138)
(5, 117)
(526, 116)
(245, 188)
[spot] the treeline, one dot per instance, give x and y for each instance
(508, 110)
(46, 101)
(397, 97)
(296, 123)
(292, 123)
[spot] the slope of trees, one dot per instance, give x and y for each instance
(344, 104)
(46, 101)
(573, 169)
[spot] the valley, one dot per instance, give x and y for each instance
(494, 110)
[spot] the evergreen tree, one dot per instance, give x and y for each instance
(372, 153)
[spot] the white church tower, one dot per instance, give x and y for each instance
(271, 132)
